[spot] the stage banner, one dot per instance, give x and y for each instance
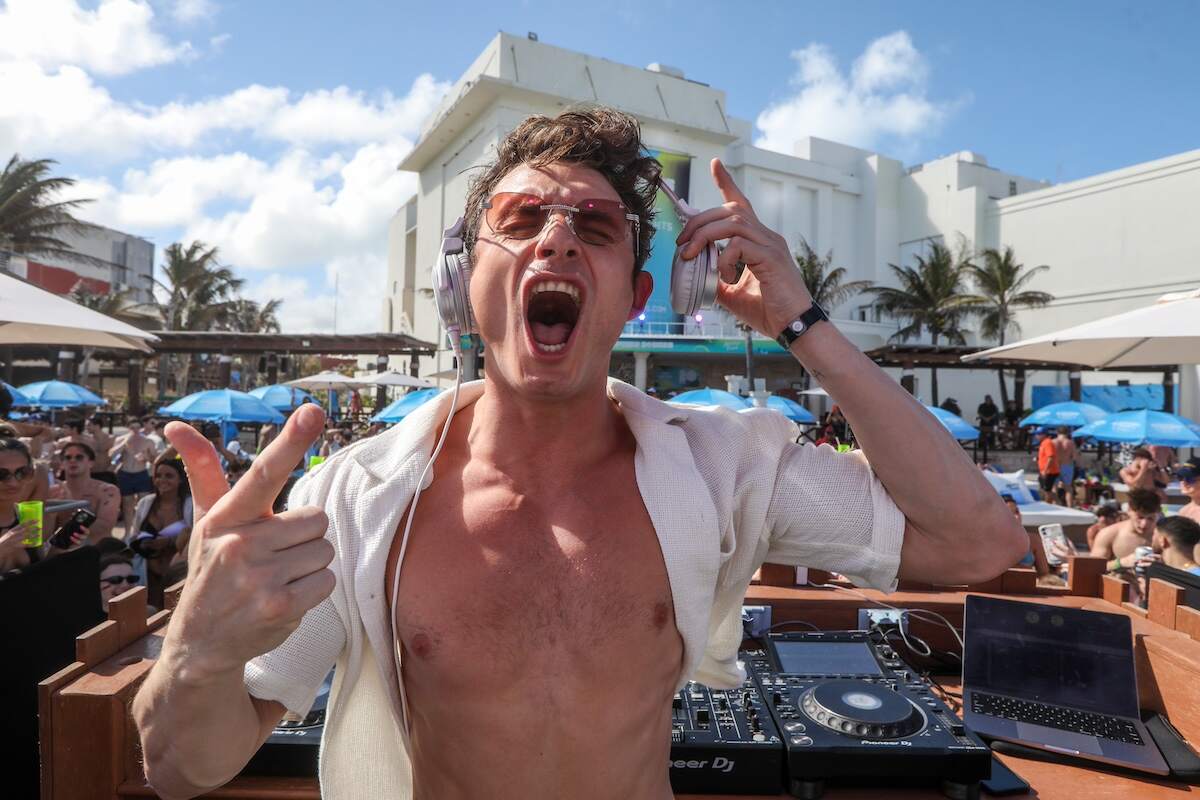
(677, 169)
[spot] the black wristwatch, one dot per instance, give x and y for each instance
(796, 328)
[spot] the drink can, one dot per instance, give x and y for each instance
(1143, 551)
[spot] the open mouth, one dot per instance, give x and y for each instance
(552, 312)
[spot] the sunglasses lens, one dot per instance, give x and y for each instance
(601, 222)
(516, 215)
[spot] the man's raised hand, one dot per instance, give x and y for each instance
(252, 574)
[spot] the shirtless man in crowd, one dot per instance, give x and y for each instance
(1144, 473)
(580, 549)
(1118, 541)
(136, 452)
(104, 500)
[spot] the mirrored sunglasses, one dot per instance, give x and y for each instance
(117, 580)
(517, 215)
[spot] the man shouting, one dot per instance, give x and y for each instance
(580, 550)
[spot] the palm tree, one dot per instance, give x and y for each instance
(1000, 292)
(825, 284)
(112, 304)
(195, 294)
(32, 218)
(247, 316)
(930, 297)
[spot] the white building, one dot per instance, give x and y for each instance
(119, 261)
(1113, 241)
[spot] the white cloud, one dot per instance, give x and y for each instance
(115, 38)
(188, 11)
(217, 43)
(65, 111)
(882, 100)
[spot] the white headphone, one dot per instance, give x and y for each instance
(693, 280)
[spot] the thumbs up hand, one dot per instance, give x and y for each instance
(252, 574)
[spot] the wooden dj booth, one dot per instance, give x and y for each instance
(89, 746)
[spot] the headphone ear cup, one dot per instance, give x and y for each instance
(694, 281)
(468, 315)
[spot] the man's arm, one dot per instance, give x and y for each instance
(198, 732)
(957, 529)
(108, 507)
(1130, 474)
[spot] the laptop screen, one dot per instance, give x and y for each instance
(1062, 656)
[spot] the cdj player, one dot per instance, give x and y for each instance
(851, 711)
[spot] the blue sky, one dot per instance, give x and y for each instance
(271, 128)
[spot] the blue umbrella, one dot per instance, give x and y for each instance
(959, 428)
(60, 394)
(221, 405)
(18, 397)
(1144, 427)
(1071, 414)
(711, 397)
(791, 409)
(405, 405)
(282, 397)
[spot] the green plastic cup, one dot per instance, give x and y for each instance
(315, 461)
(843, 448)
(31, 511)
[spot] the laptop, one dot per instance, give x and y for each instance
(1058, 679)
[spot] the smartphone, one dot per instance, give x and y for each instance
(1051, 534)
(79, 520)
(1004, 780)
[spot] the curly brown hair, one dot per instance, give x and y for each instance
(607, 140)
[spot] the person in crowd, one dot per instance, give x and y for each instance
(162, 523)
(152, 428)
(578, 545)
(39, 487)
(117, 576)
(951, 405)
(1143, 472)
(1106, 514)
(1048, 465)
(1066, 464)
(136, 452)
(103, 499)
(74, 431)
(102, 469)
(1163, 456)
(1176, 539)
(266, 435)
(1117, 542)
(1188, 474)
(988, 414)
(17, 474)
(335, 439)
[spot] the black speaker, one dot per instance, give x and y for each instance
(262, 363)
(284, 364)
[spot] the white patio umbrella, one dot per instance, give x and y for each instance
(328, 379)
(393, 377)
(817, 392)
(1167, 332)
(30, 315)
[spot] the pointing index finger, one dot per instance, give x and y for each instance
(254, 495)
(729, 190)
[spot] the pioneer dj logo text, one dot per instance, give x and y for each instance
(900, 743)
(720, 764)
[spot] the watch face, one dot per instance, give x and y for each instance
(798, 326)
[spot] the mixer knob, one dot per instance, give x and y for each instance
(759, 737)
(776, 698)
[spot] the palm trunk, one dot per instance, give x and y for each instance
(1003, 383)
(933, 376)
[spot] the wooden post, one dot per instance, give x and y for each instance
(906, 377)
(1164, 598)
(1169, 391)
(1075, 380)
(135, 385)
(1019, 389)
(1085, 573)
(224, 370)
(381, 365)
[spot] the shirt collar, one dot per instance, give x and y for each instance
(385, 455)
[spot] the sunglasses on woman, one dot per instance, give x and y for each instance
(517, 215)
(117, 580)
(19, 474)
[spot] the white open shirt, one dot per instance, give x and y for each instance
(725, 490)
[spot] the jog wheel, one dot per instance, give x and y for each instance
(861, 709)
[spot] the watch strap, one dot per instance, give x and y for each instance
(798, 326)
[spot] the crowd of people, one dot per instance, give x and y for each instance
(133, 482)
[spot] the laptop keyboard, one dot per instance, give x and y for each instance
(1116, 729)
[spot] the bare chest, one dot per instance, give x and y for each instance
(499, 584)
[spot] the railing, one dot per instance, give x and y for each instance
(716, 329)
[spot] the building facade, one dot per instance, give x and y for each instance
(1113, 241)
(117, 261)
